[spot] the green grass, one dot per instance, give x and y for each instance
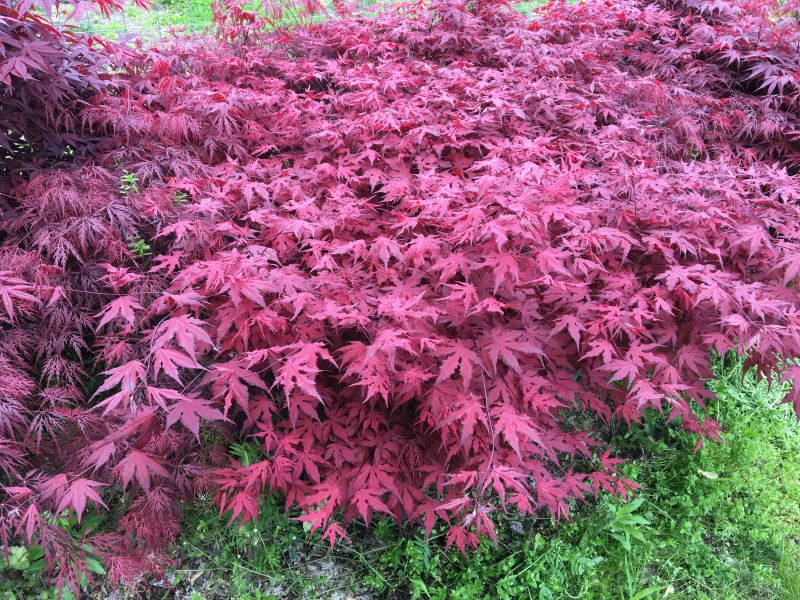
(193, 17)
(789, 571)
(527, 7)
(722, 523)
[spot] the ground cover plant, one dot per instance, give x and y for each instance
(421, 259)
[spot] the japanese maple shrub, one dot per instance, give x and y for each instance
(47, 73)
(419, 258)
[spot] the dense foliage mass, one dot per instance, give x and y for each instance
(421, 258)
(47, 72)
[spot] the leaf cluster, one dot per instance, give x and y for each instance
(423, 260)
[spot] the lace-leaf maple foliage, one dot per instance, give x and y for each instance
(48, 70)
(420, 258)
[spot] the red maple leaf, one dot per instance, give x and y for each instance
(140, 466)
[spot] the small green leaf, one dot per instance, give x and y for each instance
(645, 593)
(95, 566)
(708, 474)
(18, 558)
